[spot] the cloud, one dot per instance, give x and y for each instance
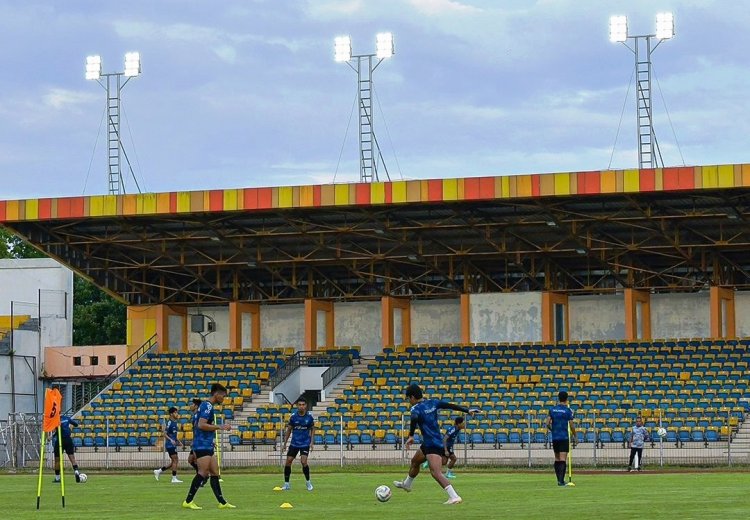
(223, 43)
(60, 98)
(334, 8)
(440, 7)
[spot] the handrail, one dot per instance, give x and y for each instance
(104, 383)
(307, 359)
(285, 370)
(334, 370)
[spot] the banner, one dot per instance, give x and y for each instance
(52, 409)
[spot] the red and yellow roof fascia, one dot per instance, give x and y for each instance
(367, 194)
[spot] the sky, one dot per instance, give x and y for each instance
(245, 93)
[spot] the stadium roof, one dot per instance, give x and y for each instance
(668, 229)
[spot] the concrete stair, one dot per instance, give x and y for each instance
(249, 408)
(740, 448)
(338, 390)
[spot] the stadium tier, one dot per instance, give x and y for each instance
(133, 409)
(695, 389)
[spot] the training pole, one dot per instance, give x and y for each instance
(41, 467)
(62, 464)
(570, 457)
(218, 446)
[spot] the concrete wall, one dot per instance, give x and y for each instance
(20, 283)
(506, 317)
(597, 317)
(215, 340)
(59, 360)
(358, 323)
(435, 321)
(304, 378)
(24, 380)
(742, 313)
(282, 326)
(680, 315)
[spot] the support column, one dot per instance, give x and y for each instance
(555, 317)
(388, 305)
(236, 312)
(163, 312)
(722, 312)
(637, 324)
(465, 319)
(141, 325)
(311, 323)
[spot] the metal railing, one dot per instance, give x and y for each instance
(93, 389)
(300, 359)
(349, 440)
(337, 368)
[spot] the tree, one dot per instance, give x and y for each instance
(13, 247)
(98, 319)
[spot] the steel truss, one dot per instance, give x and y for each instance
(667, 242)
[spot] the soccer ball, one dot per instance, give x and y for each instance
(383, 493)
(82, 477)
(661, 432)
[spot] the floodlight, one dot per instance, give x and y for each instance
(342, 48)
(618, 29)
(664, 26)
(132, 64)
(93, 67)
(384, 45)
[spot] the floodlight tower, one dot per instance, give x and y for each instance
(113, 84)
(364, 65)
(649, 155)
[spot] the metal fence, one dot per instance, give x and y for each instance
(342, 442)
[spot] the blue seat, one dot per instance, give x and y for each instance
(234, 440)
(77, 442)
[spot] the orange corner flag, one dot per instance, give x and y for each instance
(52, 409)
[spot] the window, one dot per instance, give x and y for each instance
(111, 360)
(76, 361)
(94, 360)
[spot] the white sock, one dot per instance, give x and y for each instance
(407, 481)
(451, 492)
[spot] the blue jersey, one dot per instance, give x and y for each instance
(452, 434)
(302, 426)
(65, 424)
(171, 431)
(425, 414)
(203, 440)
(560, 415)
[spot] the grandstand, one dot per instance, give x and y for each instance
(495, 291)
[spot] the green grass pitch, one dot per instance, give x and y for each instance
(351, 496)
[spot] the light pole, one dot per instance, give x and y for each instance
(364, 65)
(113, 84)
(649, 155)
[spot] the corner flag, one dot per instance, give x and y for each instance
(52, 406)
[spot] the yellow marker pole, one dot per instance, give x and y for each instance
(218, 446)
(570, 457)
(62, 464)
(41, 466)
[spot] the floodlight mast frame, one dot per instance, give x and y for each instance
(370, 156)
(649, 153)
(113, 83)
